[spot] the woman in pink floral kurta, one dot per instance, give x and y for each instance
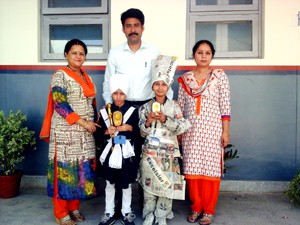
(204, 97)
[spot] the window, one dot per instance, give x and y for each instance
(233, 26)
(63, 20)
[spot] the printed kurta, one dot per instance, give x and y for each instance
(160, 170)
(70, 144)
(201, 145)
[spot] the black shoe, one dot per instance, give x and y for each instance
(107, 220)
(128, 219)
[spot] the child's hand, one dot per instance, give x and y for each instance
(179, 138)
(178, 116)
(149, 120)
(160, 116)
(111, 130)
(124, 127)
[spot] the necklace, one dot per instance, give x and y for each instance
(80, 73)
(201, 74)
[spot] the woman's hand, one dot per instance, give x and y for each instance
(91, 126)
(88, 125)
(225, 138)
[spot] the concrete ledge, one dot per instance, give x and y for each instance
(40, 182)
(33, 181)
(254, 186)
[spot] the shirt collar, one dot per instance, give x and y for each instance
(166, 98)
(126, 46)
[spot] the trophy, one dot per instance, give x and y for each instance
(155, 107)
(115, 119)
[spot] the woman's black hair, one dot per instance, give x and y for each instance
(196, 46)
(75, 42)
(133, 13)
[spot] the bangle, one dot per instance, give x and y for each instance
(85, 123)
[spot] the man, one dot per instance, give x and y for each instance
(133, 58)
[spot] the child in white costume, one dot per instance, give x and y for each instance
(118, 159)
(160, 123)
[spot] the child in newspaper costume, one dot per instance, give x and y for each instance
(119, 126)
(160, 122)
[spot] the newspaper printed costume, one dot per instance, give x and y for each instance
(160, 170)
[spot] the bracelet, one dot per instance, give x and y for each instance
(85, 123)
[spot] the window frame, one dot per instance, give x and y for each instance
(74, 10)
(211, 14)
(73, 16)
(205, 8)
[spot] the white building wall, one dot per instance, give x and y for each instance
(165, 26)
(19, 32)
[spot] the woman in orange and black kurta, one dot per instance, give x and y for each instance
(204, 97)
(69, 125)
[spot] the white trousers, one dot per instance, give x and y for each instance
(110, 199)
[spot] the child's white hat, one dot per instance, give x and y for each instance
(119, 81)
(164, 69)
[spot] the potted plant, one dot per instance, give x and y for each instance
(293, 191)
(15, 138)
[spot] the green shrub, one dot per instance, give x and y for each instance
(293, 191)
(14, 139)
(229, 154)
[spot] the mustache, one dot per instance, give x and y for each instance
(133, 34)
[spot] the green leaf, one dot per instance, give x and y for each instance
(293, 191)
(15, 138)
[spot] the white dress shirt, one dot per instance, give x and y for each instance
(137, 66)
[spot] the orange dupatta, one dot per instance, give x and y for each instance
(88, 91)
(193, 87)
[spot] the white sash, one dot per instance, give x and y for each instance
(126, 150)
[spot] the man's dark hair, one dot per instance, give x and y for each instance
(133, 13)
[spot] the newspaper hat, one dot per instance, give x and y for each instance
(164, 69)
(119, 81)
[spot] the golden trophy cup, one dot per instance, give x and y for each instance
(115, 119)
(155, 107)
